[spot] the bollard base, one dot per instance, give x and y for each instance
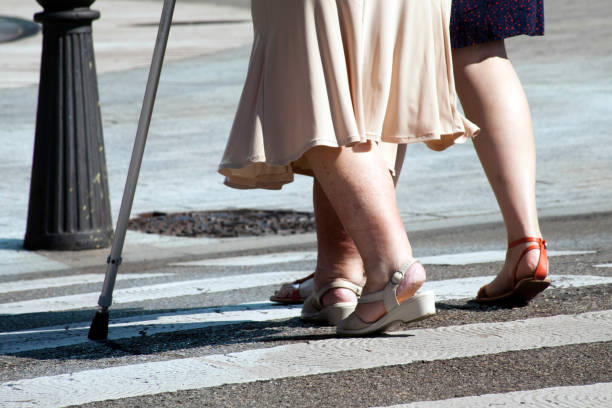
(99, 326)
(35, 240)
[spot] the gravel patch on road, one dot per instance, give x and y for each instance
(225, 224)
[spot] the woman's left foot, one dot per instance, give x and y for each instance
(524, 276)
(295, 292)
(332, 303)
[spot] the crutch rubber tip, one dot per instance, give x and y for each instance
(99, 326)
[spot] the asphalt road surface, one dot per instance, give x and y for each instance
(196, 332)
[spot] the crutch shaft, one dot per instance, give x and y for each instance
(144, 121)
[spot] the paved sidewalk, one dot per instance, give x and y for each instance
(124, 38)
(566, 75)
(124, 35)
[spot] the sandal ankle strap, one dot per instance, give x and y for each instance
(389, 294)
(337, 283)
(542, 267)
(524, 240)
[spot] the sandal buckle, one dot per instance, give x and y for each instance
(397, 278)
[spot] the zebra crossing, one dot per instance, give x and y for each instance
(583, 396)
(324, 355)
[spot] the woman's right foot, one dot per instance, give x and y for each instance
(397, 302)
(414, 278)
(524, 275)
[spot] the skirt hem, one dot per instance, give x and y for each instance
(260, 172)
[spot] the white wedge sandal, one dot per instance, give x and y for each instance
(418, 307)
(314, 311)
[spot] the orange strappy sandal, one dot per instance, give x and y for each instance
(527, 288)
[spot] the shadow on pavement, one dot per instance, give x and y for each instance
(223, 335)
(13, 29)
(12, 244)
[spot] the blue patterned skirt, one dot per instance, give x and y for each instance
(480, 21)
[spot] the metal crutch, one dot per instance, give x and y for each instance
(99, 326)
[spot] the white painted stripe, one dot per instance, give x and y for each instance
(461, 288)
(76, 333)
(60, 281)
(446, 259)
(609, 265)
(579, 396)
(483, 257)
(264, 259)
(149, 292)
(314, 357)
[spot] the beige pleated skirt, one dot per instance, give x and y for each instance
(339, 72)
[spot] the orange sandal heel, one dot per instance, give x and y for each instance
(527, 288)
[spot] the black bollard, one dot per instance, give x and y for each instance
(69, 206)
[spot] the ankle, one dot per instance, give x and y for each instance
(415, 274)
(324, 276)
(515, 237)
(338, 295)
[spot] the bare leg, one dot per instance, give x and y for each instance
(361, 191)
(337, 255)
(492, 96)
